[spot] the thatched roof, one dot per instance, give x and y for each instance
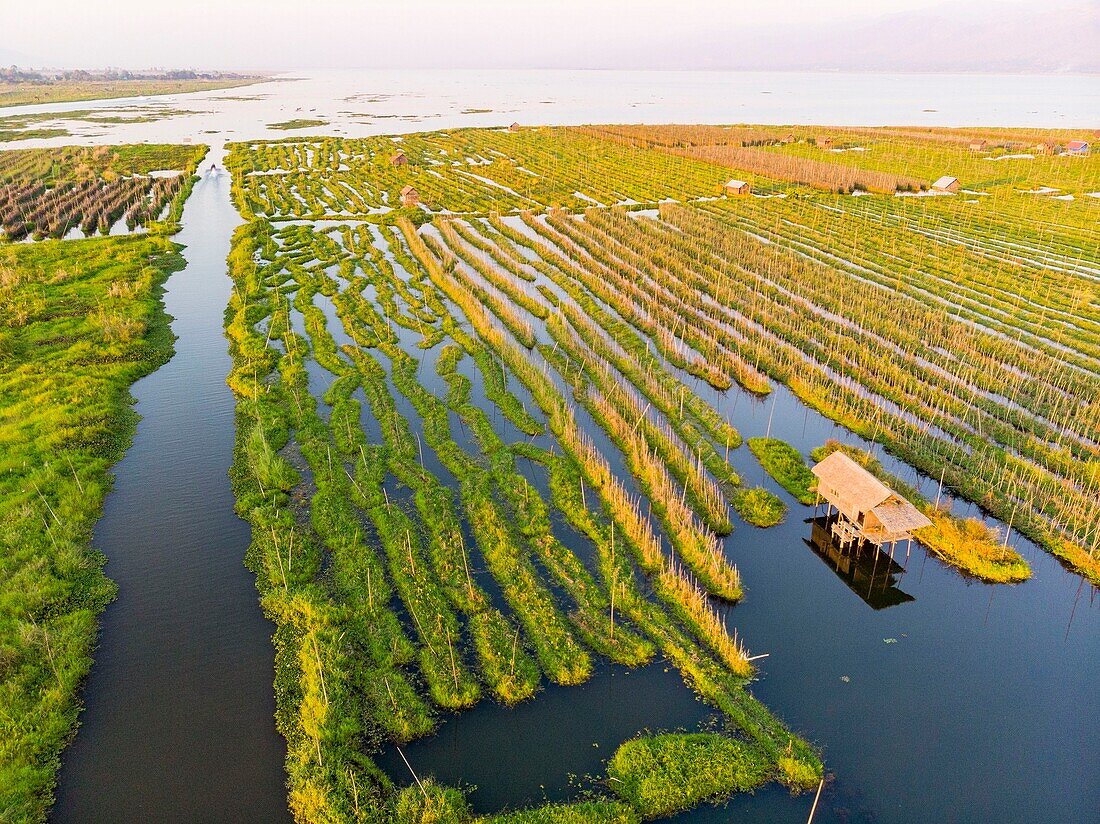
(898, 516)
(849, 486)
(863, 498)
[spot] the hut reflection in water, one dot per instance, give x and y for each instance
(868, 571)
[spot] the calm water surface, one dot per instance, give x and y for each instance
(178, 720)
(933, 698)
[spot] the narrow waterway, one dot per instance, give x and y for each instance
(178, 724)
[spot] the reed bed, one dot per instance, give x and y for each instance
(46, 193)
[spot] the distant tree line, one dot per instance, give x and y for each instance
(14, 74)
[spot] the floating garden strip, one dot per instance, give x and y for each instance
(783, 462)
(681, 285)
(532, 517)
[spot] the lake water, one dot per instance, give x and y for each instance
(361, 103)
(933, 698)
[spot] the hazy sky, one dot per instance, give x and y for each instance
(243, 34)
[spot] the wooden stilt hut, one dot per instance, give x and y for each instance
(868, 510)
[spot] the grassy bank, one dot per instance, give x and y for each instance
(80, 321)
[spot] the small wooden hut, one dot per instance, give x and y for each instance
(978, 145)
(1047, 147)
(787, 138)
(515, 127)
(823, 142)
(409, 196)
(737, 187)
(399, 159)
(946, 184)
(1078, 148)
(868, 510)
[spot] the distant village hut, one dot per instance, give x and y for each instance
(399, 159)
(1078, 148)
(737, 188)
(823, 142)
(946, 184)
(867, 509)
(978, 145)
(515, 127)
(787, 138)
(409, 196)
(1047, 147)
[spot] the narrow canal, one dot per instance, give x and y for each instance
(178, 722)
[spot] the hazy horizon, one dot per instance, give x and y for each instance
(992, 36)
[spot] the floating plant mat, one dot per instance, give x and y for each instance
(548, 481)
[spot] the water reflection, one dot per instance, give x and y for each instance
(867, 570)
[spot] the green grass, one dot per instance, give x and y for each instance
(80, 321)
(582, 812)
(759, 507)
(784, 463)
(662, 774)
(297, 123)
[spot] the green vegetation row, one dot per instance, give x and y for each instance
(873, 381)
(395, 300)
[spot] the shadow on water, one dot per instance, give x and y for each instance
(178, 724)
(871, 573)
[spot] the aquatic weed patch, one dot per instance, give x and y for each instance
(662, 774)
